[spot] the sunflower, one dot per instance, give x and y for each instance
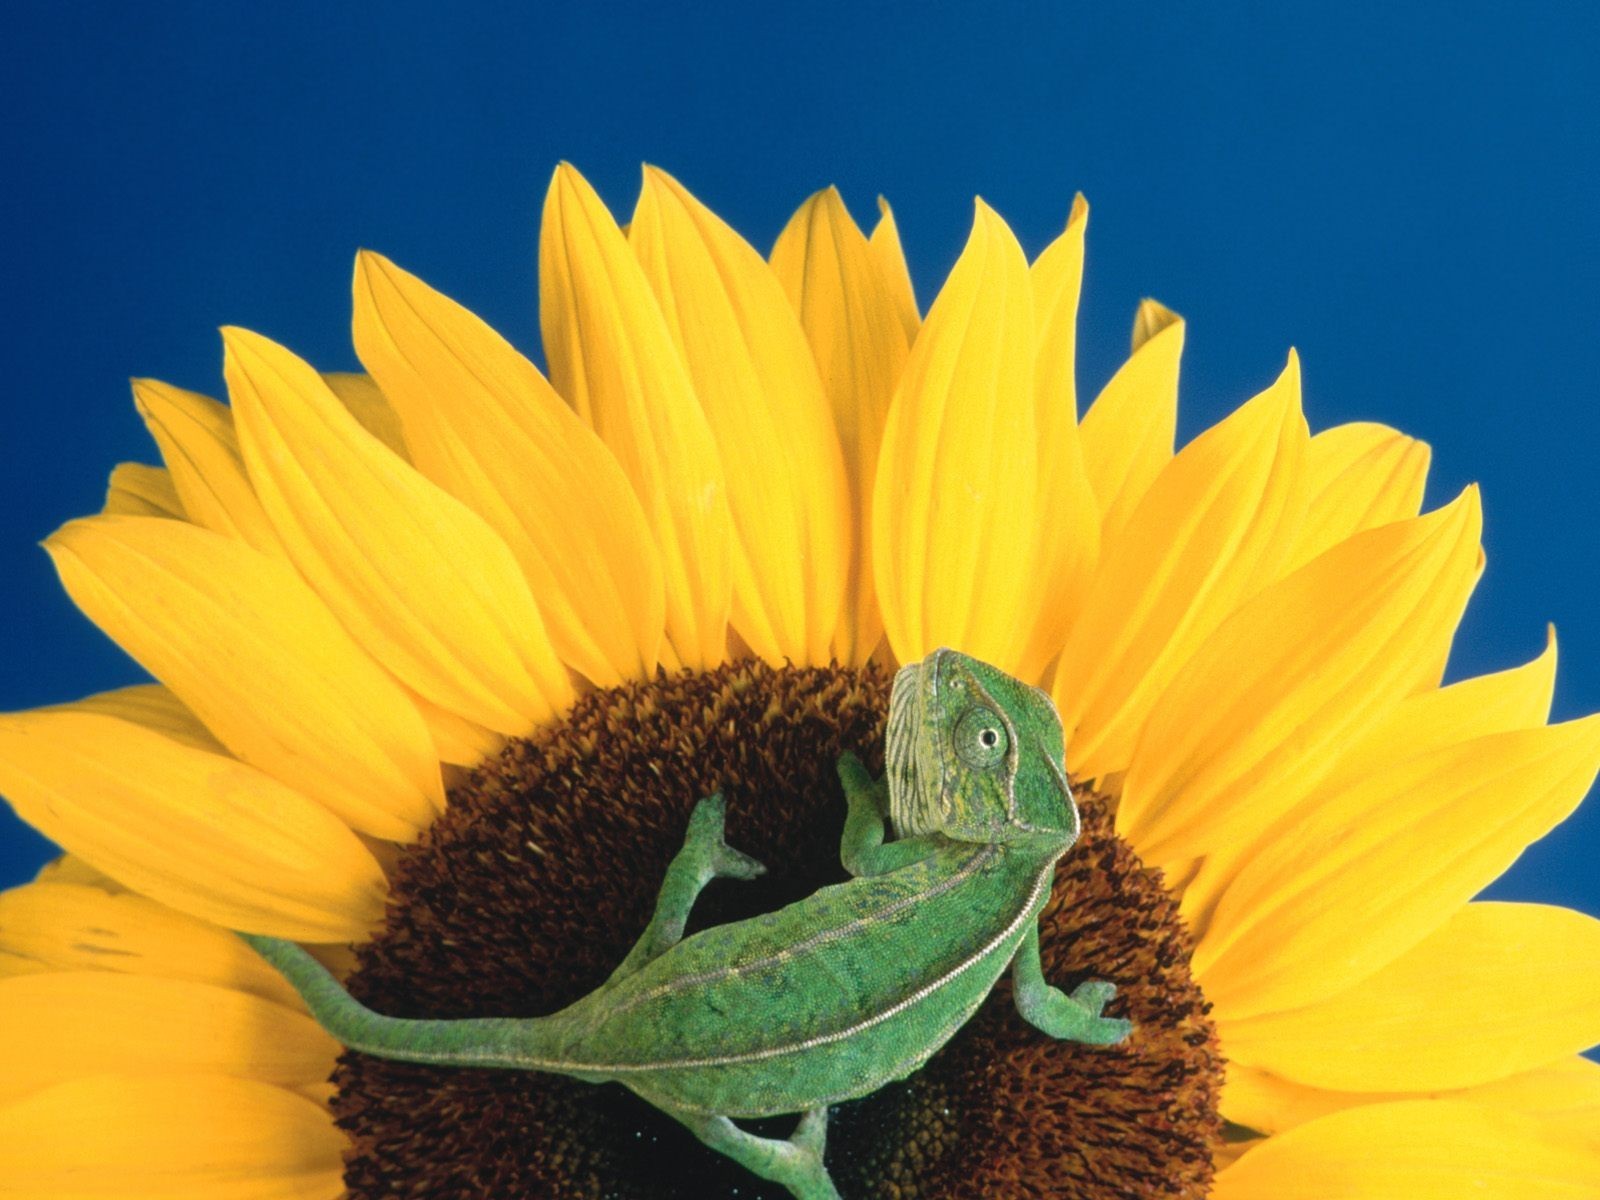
(445, 652)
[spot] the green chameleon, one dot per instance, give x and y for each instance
(834, 996)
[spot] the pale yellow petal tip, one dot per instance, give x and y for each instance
(1079, 213)
(570, 181)
(1152, 318)
(1289, 379)
(370, 263)
(992, 226)
(241, 343)
(148, 392)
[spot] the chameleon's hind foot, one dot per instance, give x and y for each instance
(795, 1162)
(705, 837)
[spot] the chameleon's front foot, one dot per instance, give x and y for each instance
(705, 845)
(705, 856)
(1074, 1018)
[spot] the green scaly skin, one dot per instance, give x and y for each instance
(836, 995)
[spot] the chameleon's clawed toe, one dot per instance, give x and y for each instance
(1094, 995)
(735, 864)
(1104, 1031)
(706, 827)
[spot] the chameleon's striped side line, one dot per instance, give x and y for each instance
(1026, 914)
(977, 862)
(898, 1070)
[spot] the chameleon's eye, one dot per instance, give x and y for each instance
(981, 738)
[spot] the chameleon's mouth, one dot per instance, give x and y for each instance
(534, 884)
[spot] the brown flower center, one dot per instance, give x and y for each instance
(534, 885)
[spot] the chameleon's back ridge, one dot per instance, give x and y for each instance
(872, 980)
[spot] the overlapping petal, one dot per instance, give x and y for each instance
(1128, 432)
(757, 383)
(506, 445)
(1255, 717)
(955, 499)
(612, 357)
(203, 833)
(223, 625)
(371, 407)
(66, 1024)
(1374, 870)
(1212, 530)
(1518, 698)
(201, 450)
(137, 490)
(847, 303)
(1069, 514)
(126, 1137)
(1496, 990)
(155, 707)
(1418, 1149)
(1361, 475)
(891, 256)
(59, 926)
(418, 578)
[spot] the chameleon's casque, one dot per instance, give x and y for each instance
(831, 997)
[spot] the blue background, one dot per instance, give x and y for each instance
(1404, 192)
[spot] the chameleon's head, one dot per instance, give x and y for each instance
(975, 754)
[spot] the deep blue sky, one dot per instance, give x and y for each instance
(1405, 192)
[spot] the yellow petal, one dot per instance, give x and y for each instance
(457, 740)
(202, 833)
(489, 429)
(142, 491)
(1418, 1150)
(1418, 724)
(201, 450)
(954, 502)
(757, 382)
(1372, 871)
(1211, 531)
(1261, 1101)
(1069, 514)
(1127, 433)
(847, 307)
(247, 646)
(366, 401)
(418, 578)
(75, 927)
(891, 256)
(154, 707)
(69, 868)
(1252, 720)
(1564, 1096)
(612, 357)
(1498, 989)
(188, 1137)
(64, 1024)
(1362, 475)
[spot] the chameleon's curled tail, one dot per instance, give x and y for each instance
(473, 1042)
